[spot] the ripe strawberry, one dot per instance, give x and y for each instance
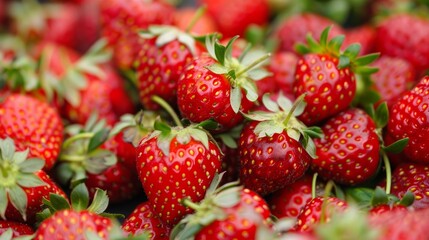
(225, 12)
(408, 177)
(217, 86)
(365, 35)
(15, 229)
(40, 130)
(394, 77)
(228, 212)
(327, 76)
(408, 119)
(294, 29)
(23, 184)
(282, 66)
(144, 219)
(405, 36)
(184, 16)
(275, 147)
(349, 152)
(160, 63)
(121, 21)
(311, 213)
(176, 163)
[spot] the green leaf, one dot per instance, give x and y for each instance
(99, 161)
(217, 178)
(18, 198)
(228, 198)
(235, 99)
(361, 196)
(200, 136)
(220, 53)
(352, 51)
(98, 139)
(258, 74)
(284, 103)
(217, 68)
(314, 132)
(59, 202)
(269, 103)
(300, 107)
(99, 203)
(31, 165)
(367, 59)
(294, 134)
(7, 235)
(3, 202)
(324, 36)
(229, 48)
(163, 143)
(336, 42)
(228, 140)
(191, 229)
(407, 199)
(162, 127)
(365, 70)
(165, 38)
(310, 147)
(344, 62)
(209, 124)
(397, 146)
(210, 45)
(79, 197)
(7, 148)
(301, 49)
(267, 128)
(231, 74)
(188, 41)
(30, 181)
(21, 156)
(379, 197)
(251, 90)
(381, 115)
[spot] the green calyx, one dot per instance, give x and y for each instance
(8, 235)
(19, 73)
(349, 58)
(81, 152)
(366, 198)
(17, 171)
(209, 209)
(241, 72)
(282, 116)
(165, 34)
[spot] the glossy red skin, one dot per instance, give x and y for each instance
(409, 118)
(394, 77)
(18, 229)
(310, 214)
(70, 224)
(204, 25)
(203, 95)
(89, 24)
(401, 225)
(35, 196)
(120, 180)
(349, 152)
(288, 201)
(144, 219)
(186, 172)
(121, 21)
(329, 90)
(270, 163)
(294, 30)
(232, 16)
(40, 130)
(242, 220)
(283, 66)
(414, 178)
(405, 36)
(230, 163)
(158, 71)
(363, 35)
(385, 208)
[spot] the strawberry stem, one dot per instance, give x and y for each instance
(198, 14)
(313, 185)
(253, 65)
(74, 138)
(188, 203)
(292, 110)
(388, 172)
(328, 190)
(72, 158)
(167, 108)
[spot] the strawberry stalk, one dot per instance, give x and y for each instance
(313, 185)
(298, 102)
(198, 14)
(253, 65)
(167, 108)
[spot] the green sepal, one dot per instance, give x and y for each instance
(99, 160)
(79, 197)
(367, 59)
(379, 197)
(220, 53)
(235, 99)
(7, 148)
(31, 165)
(360, 195)
(21, 156)
(44, 214)
(228, 197)
(209, 124)
(7, 235)
(29, 181)
(408, 199)
(98, 139)
(397, 146)
(3, 202)
(100, 202)
(163, 127)
(58, 202)
(18, 199)
(381, 115)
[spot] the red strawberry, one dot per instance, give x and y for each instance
(160, 63)
(89, 24)
(23, 184)
(226, 12)
(16, 229)
(311, 213)
(327, 76)
(275, 147)
(413, 178)
(176, 163)
(40, 130)
(282, 66)
(364, 35)
(229, 212)
(204, 25)
(394, 77)
(218, 86)
(349, 152)
(294, 30)
(409, 119)
(121, 22)
(144, 219)
(405, 36)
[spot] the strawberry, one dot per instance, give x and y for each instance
(282, 66)
(327, 76)
(394, 77)
(183, 17)
(40, 130)
(294, 30)
(218, 86)
(275, 147)
(227, 212)
(23, 184)
(121, 21)
(15, 229)
(365, 35)
(408, 119)
(404, 36)
(165, 52)
(176, 163)
(144, 219)
(225, 12)
(408, 177)
(349, 151)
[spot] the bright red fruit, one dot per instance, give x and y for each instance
(17, 228)
(365, 35)
(204, 25)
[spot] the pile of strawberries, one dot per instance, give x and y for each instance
(235, 119)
